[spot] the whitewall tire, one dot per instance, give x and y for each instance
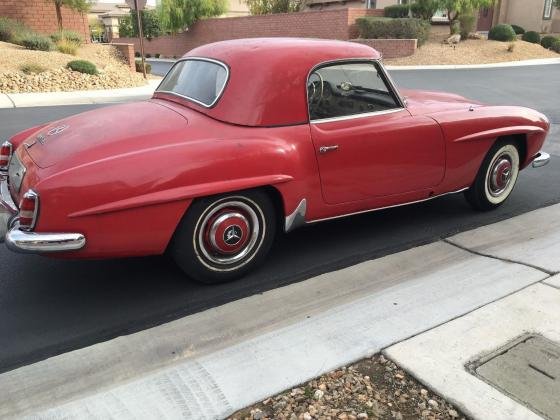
(496, 177)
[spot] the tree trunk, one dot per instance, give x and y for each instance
(58, 15)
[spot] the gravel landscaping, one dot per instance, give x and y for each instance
(471, 51)
(113, 72)
(374, 388)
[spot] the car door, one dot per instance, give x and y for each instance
(367, 143)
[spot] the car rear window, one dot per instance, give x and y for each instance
(200, 80)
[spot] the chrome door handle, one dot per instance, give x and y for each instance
(325, 149)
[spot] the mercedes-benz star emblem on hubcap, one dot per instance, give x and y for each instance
(232, 235)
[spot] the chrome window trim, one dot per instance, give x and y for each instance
(385, 76)
(356, 116)
(209, 60)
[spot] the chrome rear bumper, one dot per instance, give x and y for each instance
(541, 159)
(30, 242)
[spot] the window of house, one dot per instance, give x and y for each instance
(343, 90)
(547, 9)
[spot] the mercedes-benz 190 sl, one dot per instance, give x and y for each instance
(245, 139)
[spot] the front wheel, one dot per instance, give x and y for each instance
(223, 237)
(496, 177)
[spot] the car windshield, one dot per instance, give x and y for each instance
(200, 80)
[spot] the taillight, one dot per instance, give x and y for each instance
(28, 210)
(5, 155)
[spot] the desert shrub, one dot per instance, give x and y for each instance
(556, 46)
(511, 47)
(32, 68)
(397, 11)
(67, 47)
(139, 67)
(407, 28)
(502, 32)
(82, 66)
(518, 29)
(466, 25)
(158, 55)
(547, 41)
(532, 37)
(12, 30)
(37, 42)
(66, 35)
(424, 9)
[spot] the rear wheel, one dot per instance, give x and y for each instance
(223, 237)
(496, 177)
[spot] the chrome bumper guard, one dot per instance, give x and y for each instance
(541, 159)
(30, 242)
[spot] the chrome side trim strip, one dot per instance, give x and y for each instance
(30, 242)
(297, 218)
(541, 159)
(209, 60)
(387, 207)
(354, 116)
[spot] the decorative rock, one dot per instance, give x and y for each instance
(454, 39)
(318, 394)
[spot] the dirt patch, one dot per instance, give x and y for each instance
(114, 72)
(374, 388)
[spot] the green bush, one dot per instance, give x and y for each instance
(137, 54)
(424, 9)
(37, 42)
(532, 37)
(397, 11)
(502, 32)
(82, 66)
(547, 41)
(66, 35)
(409, 28)
(158, 55)
(139, 67)
(148, 55)
(518, 29)
(32, 68)
(556, 46)
(467, 24)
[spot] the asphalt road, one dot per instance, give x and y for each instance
(49, 306)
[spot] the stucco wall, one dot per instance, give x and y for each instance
(40, 15)
(528, 14)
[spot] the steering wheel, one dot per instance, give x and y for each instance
(315, 89)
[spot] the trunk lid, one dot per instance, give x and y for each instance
(105, 132)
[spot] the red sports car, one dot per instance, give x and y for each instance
(244, 139)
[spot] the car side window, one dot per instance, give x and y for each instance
(342, 90)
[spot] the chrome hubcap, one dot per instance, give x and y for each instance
(501, 174)
(228, 232)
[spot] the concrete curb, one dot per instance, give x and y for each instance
(210, 364)
(22, 100)
(522, 63)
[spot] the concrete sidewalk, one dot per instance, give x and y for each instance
(210, 364)
(21, 100)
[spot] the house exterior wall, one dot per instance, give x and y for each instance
(352, 4)
(527, 14)
(40, 15)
